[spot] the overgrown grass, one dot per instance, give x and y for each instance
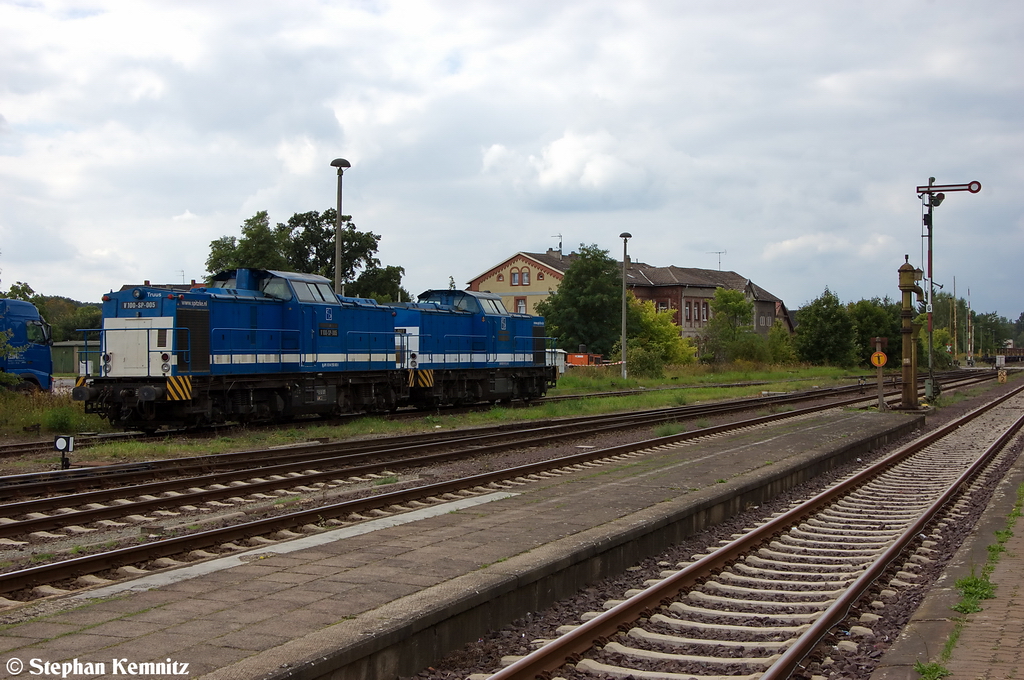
(586, 379)
(45, 412)
(669, 429)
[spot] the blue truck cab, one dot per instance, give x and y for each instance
(29, 336)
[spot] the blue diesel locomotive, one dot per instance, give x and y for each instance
(260, 345)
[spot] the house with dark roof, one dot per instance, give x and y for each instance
(689, 291)
(525, 279)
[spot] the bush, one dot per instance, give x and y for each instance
(61, 419)
(642, 362)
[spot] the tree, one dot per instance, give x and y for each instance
(876, 318)
(259, 248)
(730, 332)
(309, 245)
(780, 344)
(653, 341)
(586, 308)
(305, 244)
(20, 291)
(381, 284)
(66, 327)
(825, 333)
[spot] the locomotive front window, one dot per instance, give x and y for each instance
(277, 289)
(314, 292)
(493, 306)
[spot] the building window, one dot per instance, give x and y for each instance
(540, 276)
(525, 277)
(520, 305)
(515, 278)
(687, 313)
(662, 306)
(501, 277)
(705, 317)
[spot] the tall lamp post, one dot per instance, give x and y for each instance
(340, 164)
(934, 199)
(625, 236)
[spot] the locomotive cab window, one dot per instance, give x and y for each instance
(314, 292)
(493, 306)
(277, 288)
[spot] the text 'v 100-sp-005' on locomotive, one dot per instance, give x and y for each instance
(268, 345)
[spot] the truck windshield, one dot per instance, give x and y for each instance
(38, 332)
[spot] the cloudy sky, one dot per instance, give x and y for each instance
(790, 135)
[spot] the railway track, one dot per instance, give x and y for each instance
(777, 601)
(305, 467)
(87, 439)
(156, 506)
(107, 476)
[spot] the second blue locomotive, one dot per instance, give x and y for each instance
(269, 345)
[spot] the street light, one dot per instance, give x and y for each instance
(625, 236)
(341, 164)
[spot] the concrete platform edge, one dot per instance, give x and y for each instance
(412, 632)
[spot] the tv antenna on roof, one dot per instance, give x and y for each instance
(559, 237)
(719, 253)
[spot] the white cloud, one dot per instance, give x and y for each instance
(789, 134)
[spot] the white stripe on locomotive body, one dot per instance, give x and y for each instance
(476, 358)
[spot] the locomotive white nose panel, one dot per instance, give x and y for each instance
(135, 344)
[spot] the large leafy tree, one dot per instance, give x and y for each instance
(587, 307)
(825, 334)
(260, 247)
(383, 284)
(308, 244)
(304, 244)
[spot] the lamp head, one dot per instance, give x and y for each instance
(340, 164)
(625, 234)
(937, 199)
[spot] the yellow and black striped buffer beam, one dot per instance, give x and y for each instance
(179, 388)
(421, 378)
(80, 381)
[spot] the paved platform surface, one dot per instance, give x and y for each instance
(279, 610)
(991, 643)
